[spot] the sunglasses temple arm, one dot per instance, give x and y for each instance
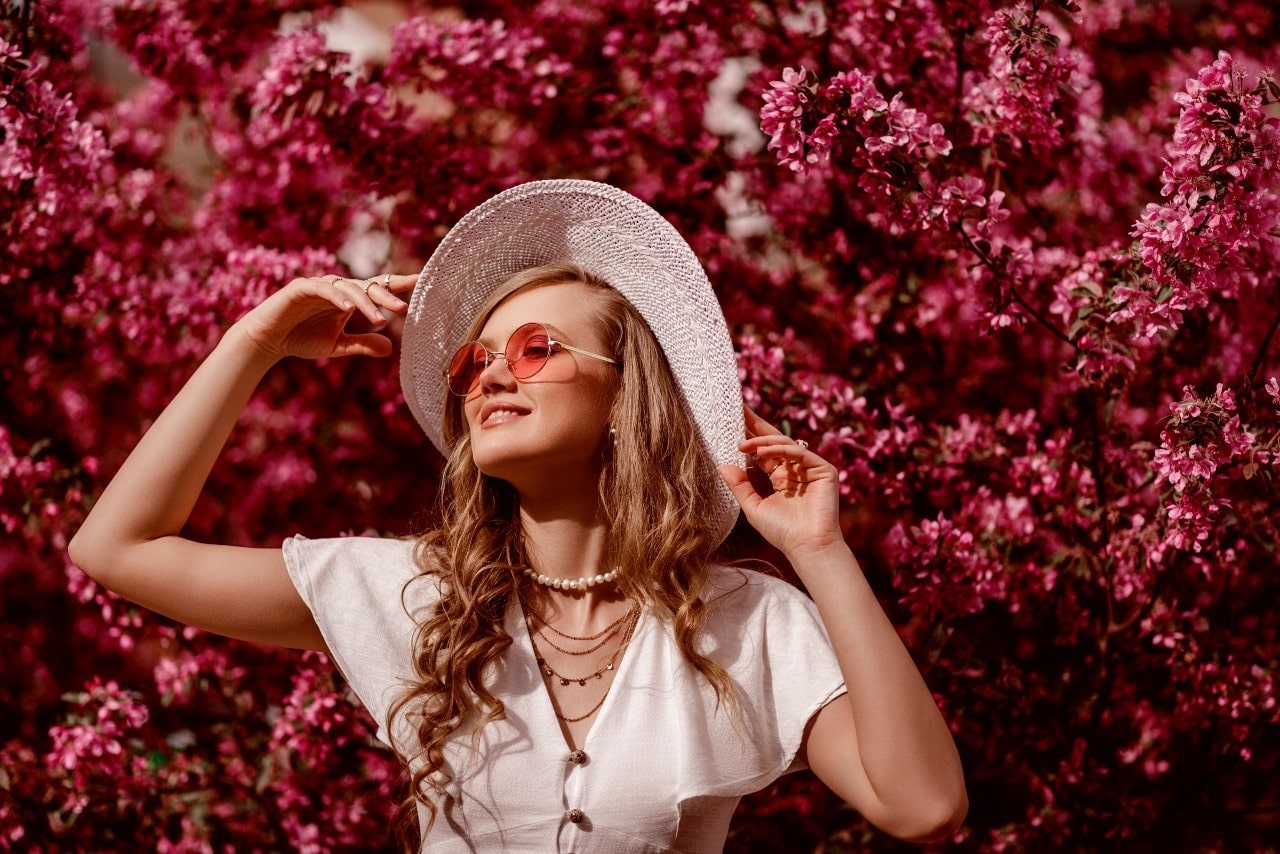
(586, 352)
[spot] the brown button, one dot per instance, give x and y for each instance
(578, 757)
(576, 816)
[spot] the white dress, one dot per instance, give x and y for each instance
(661, 768)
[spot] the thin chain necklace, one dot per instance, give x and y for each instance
(606, 630)
(587, 651)
(611, 630)
(594, 709)
(626, 639)
(598, 674)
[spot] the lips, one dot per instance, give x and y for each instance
(498, 412)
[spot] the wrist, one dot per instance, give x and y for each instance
(244, 344)
(819, 554)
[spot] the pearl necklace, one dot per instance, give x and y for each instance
(572, 583)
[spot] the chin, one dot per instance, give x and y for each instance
(506, 461)
(517, 464)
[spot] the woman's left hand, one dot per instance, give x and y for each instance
(802, 514)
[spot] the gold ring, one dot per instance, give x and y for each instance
(386, 282)
(366, 287)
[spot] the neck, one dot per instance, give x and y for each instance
(566, 537)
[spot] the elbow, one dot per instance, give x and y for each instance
(87, 557)
(76, 550)
(940, 820)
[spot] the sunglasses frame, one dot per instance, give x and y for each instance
(490, 356)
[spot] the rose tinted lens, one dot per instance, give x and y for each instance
(528, 350)
(465, 368)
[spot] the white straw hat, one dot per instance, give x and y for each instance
(613, 235)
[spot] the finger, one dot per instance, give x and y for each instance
(399, 284)
(794, 488)
(759, 444)
(784, 462)
(325, 288)
(755, 425)
(740, 485)
(359, 295)
(786, 470)
(767, 466)
(362, 344)
(786, 479)
(382, 292)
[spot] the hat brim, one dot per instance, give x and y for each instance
(611, 234)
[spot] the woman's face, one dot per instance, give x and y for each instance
(552, 424)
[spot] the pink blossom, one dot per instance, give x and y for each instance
(1202, 436)
(1030, 83)
(451, 56)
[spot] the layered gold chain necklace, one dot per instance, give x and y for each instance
(624, 626)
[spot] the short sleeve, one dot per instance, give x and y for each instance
(781, 662)
(355, 588)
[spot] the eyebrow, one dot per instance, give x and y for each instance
(556, 333)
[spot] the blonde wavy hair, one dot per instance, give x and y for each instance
(477, 551)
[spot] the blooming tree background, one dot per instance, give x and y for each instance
(1013, 267)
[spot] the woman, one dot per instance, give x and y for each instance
(559, 663)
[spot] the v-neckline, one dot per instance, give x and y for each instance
(547, 709)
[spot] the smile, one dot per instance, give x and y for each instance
(495, 414)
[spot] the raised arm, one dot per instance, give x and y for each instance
(883, 747)
(130, 542)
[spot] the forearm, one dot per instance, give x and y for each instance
(904, 745)
(153, 493)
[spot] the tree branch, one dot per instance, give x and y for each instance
(1263, 348)
(959, 90)
(1013, 287)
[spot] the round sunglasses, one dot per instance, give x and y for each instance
(527, 351)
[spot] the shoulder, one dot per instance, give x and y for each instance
(364, 568)
(387, 555)
(737, 589)
(353, 548)
(762, 608)
(769, 637)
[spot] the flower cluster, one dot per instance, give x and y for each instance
(51, 165)
(89, 748)
(1215, 228)
(890, 151)
(1202, 436)
(1031, 83)
(451, 58)
(805, 121)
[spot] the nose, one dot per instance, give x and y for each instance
(497, 375)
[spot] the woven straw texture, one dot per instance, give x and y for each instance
(612, 234)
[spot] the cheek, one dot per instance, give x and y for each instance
(556, 370)
(469, 410)
(603, 398)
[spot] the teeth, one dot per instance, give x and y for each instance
(499, 415)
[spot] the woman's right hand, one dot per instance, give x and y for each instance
(308, 317)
